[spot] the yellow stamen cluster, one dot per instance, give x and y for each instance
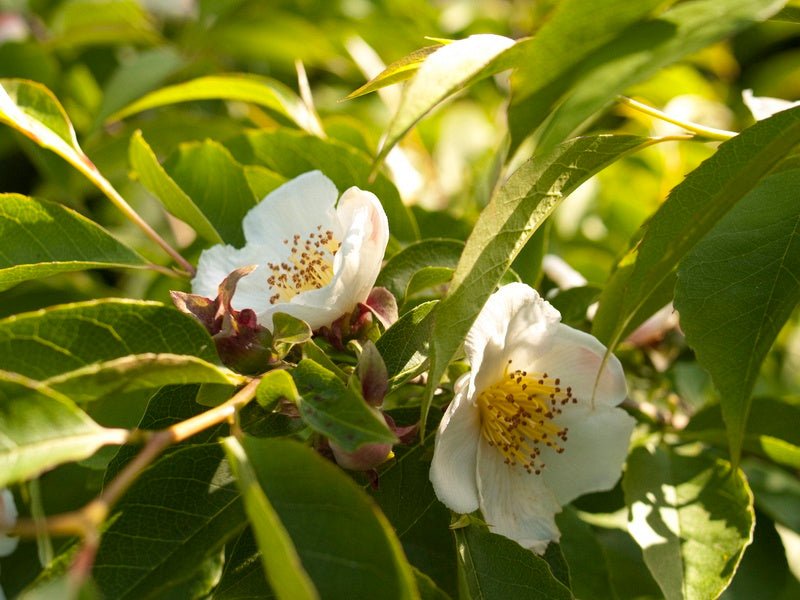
(517, 416)
(308, 266)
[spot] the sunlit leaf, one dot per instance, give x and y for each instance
(40, 238)
(400, 268)
(692, 514)
(448, 69)
(42, 428)
(90, 22)
(263, 91)
(404, 346)
(398, 71)
(64, 338)
(153, 176)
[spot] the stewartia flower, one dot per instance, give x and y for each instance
(316, 259)
(523, 435)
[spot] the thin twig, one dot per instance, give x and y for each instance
(707, 132)
(85, 521)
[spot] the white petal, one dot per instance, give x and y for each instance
(515, 503)
(356, 264)
(8, 517)
(455, 453)
(575, 357)
(514, 312)
(595, 450)
(296, 207)
(763, 107)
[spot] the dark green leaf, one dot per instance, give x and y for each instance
(492, 566)
(279, 557)
(777, 492)
(243, 577)
(217, 185)
(336, 411)
(40, 238)
(692, 515)
(588, 567)
(404, 346)
(344, 542)
(693, 208)
(400, 268)
(738, 287)
(192, 507)
(405, 495)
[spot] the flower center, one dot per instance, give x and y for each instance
(517, 416)
(308, 266)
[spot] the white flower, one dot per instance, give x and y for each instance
(8, 517)
(316, 259)
(763, 107)
(523, 436)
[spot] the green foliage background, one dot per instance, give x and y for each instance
(188, 113)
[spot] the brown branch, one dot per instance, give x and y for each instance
(85, 521)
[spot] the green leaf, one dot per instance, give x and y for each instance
(400, 268)
(428, 590)
(771, 431)
(64, 338)
(279, 557)
(243, 577)
(40, 238)
(448, 69)
(404, 346)
(515, 212)
(191, 506)
(41, 429)
(292, 153)
(34, 111)
(693, 208)
(588, 567)
(406, 497)
(136, 77)
(692, 515)
(492, 566)
(344, 542)
(101, 22)
(274, 386)
(544, 72)
(135, 372)
(336, 411)
(288, 331)
(777, 492)
(738, 287)
(153, 176)
(638, 52)
(217, 185)
(398, 71)
(428, 277)
(262, 181)
(262, 91)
